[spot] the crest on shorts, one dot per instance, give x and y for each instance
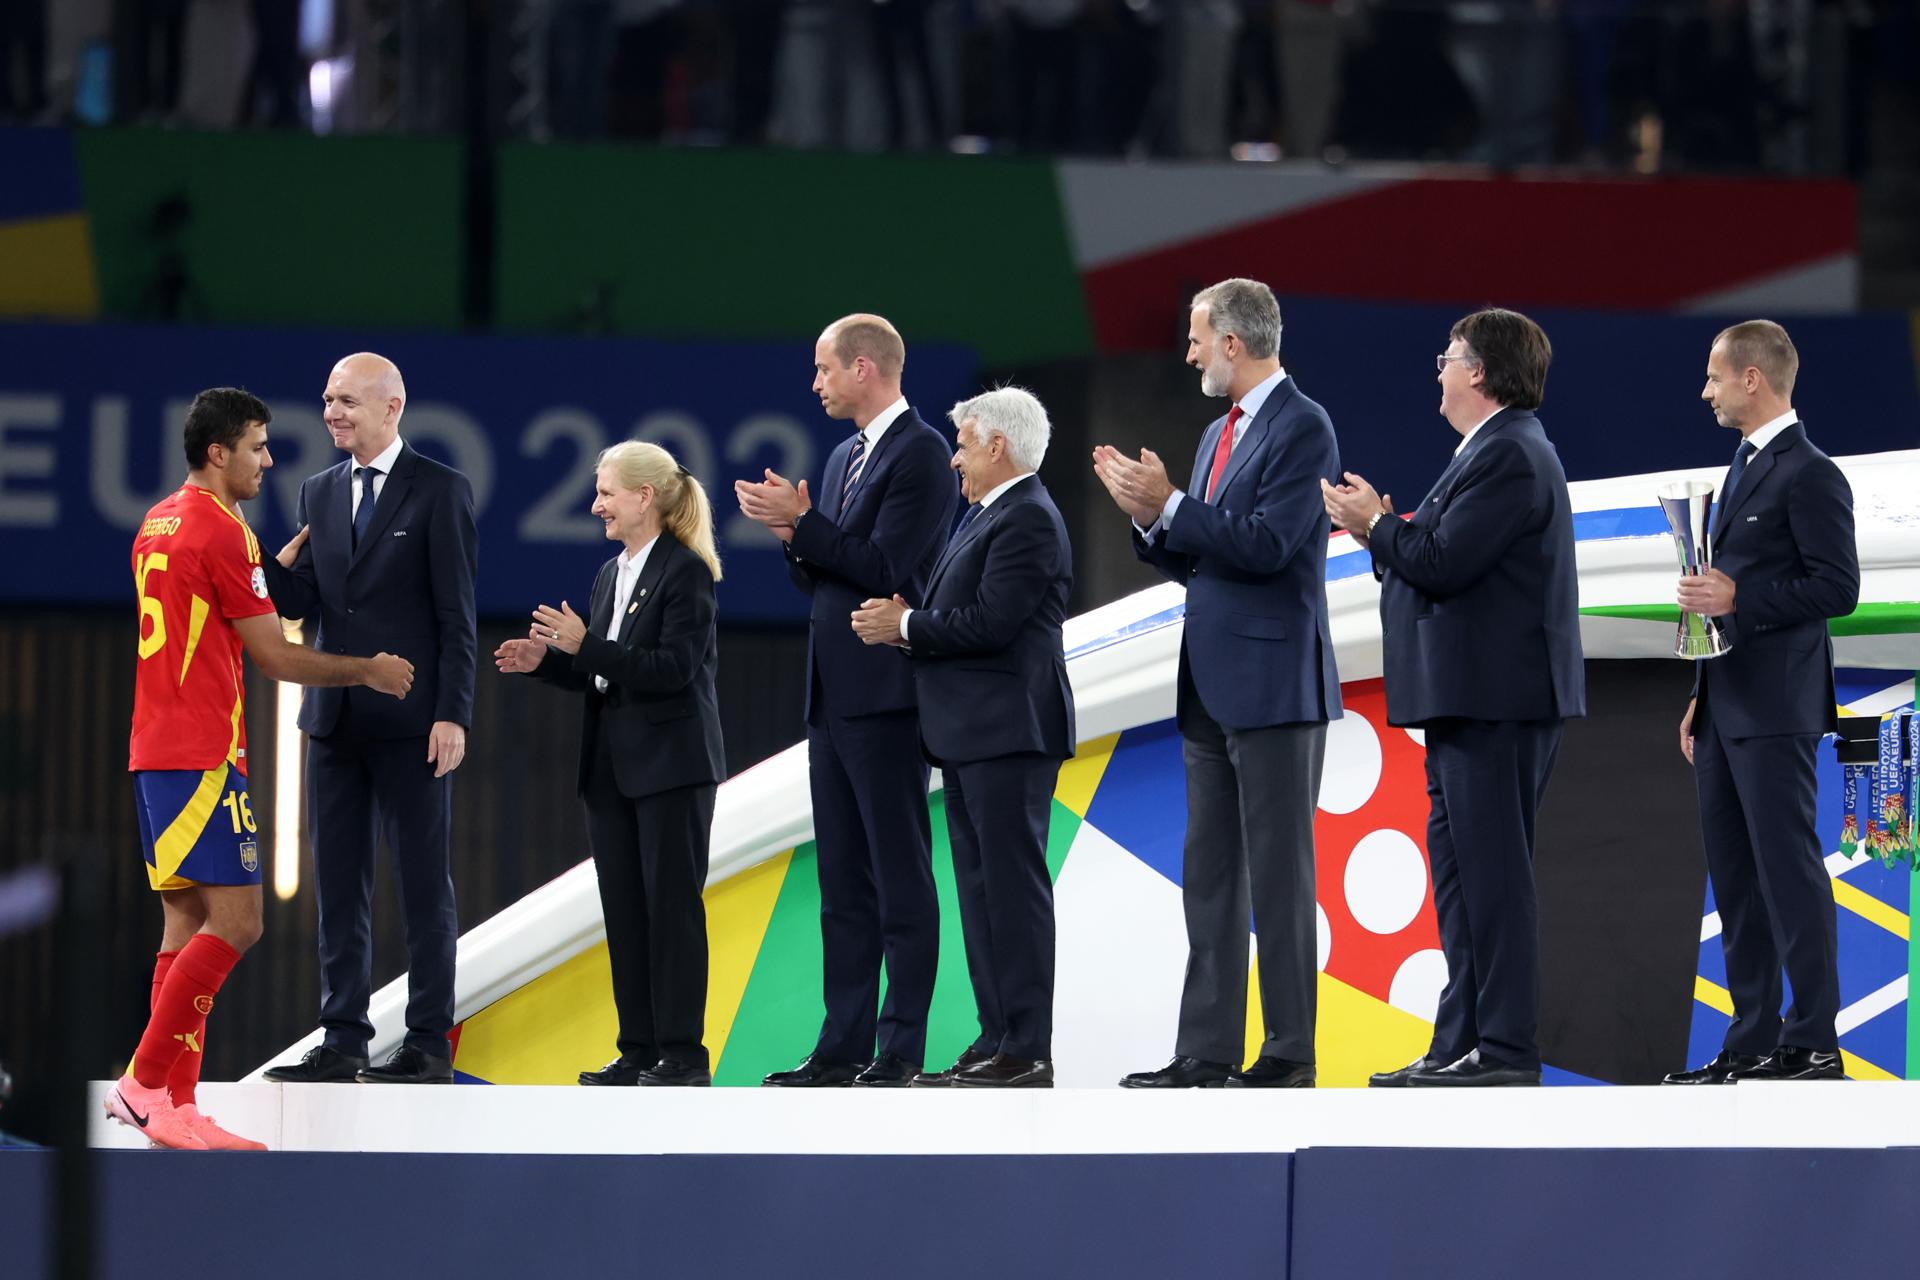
(260, 582)
(204, 1004)
(250, 855)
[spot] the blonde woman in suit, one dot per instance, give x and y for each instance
(650, 752)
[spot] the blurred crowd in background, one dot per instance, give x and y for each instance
(1781, 86)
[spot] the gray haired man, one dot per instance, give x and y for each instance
(996, 714)
(1257, 686)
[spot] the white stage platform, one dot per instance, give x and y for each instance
(557, 1120)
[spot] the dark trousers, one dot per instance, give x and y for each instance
(1485, 781)
(650, 855)
(359, 790)
(998, 813)
(1249, 851)
(1770, 885)
(877, 900)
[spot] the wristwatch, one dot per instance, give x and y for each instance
(1373, 520)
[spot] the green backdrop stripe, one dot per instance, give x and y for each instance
(779, 1016)
(1876, 618)
(275, 229)
(685, 243)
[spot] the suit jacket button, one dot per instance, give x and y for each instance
(349, 611)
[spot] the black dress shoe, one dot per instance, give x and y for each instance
(1273, 1073)
(409, 1065)
(621, 1071)
(1474, 1071)
(1181, 1073)
(815, 1073)
(322, 1065)
(1719, 1071)
(1003, 1072)
(672, 1071)
(1398, 1079)
(971, 1057)
(1790, 1062)
(888, 1071)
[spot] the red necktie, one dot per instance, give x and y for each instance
(1221, 450)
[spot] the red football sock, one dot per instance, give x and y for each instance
(185, 1076)
(184, 1079)
(181, 1009)
(162, 962)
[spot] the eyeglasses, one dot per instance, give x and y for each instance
(1440, 363)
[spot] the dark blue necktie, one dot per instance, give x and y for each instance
(972, 513)
(1741, 456)
(364, 516)
(852, 478)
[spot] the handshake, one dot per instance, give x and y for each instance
(388, 673)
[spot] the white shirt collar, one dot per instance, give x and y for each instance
(1251, 402)
(994, 493)
(1763, 436)
(632, 562)
(384, 460)
(626, 572)
(882, 420)
(1476, 428)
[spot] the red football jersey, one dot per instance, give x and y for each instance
(196, 566)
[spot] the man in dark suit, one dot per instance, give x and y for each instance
(1784, 561)
(996, 714)
(1255, 690)
(1480, 631)
(389, 563)
(886, 502)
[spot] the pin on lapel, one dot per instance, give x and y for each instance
(634, 607)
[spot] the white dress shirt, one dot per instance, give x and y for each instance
(1763, 435)
(1476, 430)
(624, 576)
(382, 465)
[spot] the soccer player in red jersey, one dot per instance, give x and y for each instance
(203, 599)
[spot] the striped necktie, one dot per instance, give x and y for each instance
(852, 478)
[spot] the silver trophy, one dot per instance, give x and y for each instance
(1689, 511)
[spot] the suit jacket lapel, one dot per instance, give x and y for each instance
(1757, 468)
(601, 612)
(1203, 460)
(393, 491)
(972, 532)
(335, 502)
(895, 429)
(646, 586)
(1251, 438)
(1459, 460)
(886, 440)
(832, 480)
